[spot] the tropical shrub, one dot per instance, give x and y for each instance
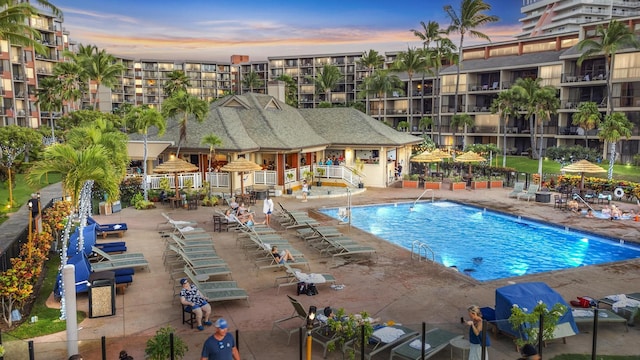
(347, 328)
(527, 323)
(129, 187)
(158, 347)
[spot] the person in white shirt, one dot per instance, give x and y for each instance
(267, 209)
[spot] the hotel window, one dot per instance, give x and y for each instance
(449, 83)
(475, 54)
(502, 51)
(626, 66)
(538, 47)
(551, 75)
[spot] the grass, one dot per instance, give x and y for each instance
(527, 165)
(21, 193)
(588, 357)
(48, 319)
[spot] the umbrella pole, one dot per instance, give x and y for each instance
(241, 183)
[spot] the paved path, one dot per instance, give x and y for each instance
(393, 288)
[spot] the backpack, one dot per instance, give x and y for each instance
(311, 290)
(302, 288)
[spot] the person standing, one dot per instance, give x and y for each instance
(34, 207)
(267, 209)
(221, 345)
(475, 334)
(305, 190)
(191, 296)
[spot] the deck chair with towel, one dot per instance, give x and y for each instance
(436, 340)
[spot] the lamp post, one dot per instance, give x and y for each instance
(311, 317)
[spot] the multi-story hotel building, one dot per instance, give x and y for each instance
(487, 69)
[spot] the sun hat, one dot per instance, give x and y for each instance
(221, 324)
(183, 280)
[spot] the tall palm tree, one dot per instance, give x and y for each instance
(464, 22)
(49, 98)
(380, 84)
(460, 121)
(252, 80)
(587, 117)
(608, 41)
(290, 90)
(528, 88)
(183, 105)
(177, 81)
(103, 70)
(430, 33)
(411, 61)
(507, 105)
(444, 49)
(212, 140)
(547, 103)
(14, 22)
(424, 123)
(370, 60)
(72, 84)
(614, 127)
(143, 118)
(80, 61)
(104, 133)
(327, 79)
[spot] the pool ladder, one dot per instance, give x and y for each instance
(421, 195)
(418, 247)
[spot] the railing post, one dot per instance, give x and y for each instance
(103, 343)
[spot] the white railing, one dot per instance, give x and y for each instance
(337, 172)
(265, 177)
(196, 180)
(218, 179)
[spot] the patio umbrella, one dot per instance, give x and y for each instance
(426, 157)
(175, 166)
(470, 157)
(583, 166)
(241, 165)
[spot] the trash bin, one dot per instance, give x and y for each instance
(102, 294)
(261, 194)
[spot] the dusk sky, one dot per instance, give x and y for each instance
(215, 30)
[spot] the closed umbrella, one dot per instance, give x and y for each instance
(175, 166)
(241, 165)
(582, 167)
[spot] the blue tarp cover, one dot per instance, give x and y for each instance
(527, 295)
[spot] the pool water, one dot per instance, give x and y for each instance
(484, 244)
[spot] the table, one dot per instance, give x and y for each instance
(462, 344)
(543, 196)
(176, 202)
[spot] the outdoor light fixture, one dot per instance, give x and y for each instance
(311, 317)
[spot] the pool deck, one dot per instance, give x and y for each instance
(394, 287)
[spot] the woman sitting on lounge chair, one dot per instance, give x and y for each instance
(246, 218)
(282, 256)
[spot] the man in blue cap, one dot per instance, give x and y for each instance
(221, 345)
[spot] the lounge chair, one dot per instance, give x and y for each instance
(317, 231)
(108, 229)
(175, 223)
(294, 276)
(518, 188)
(627, 305)
(530, 194)
(437, 339)
(219, 293)
(102, 255)
(385, 338)
(120, 264)
(298, 318)
(585, 316)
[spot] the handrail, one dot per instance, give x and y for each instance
(424, 192)
(581, 199)
(422, 246)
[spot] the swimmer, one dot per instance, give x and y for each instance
(477, 260)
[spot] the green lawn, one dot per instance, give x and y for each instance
(21, 192)
(524, 164)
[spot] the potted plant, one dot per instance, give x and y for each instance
(496, 182)
(320, 173)
(308, 175)
(433, 183)
(527, 324)
(290, 178)
(410, 181)
(481, 182)
(348, 331)
(457, 183)
(158, 347)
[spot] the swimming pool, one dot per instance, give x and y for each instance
(486, 245)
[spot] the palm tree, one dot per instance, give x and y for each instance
(411, 61)
(608, 41)
(252, 80)
(458, 121)
(103, 70)
(290, 90)
(470, 17)
(76, 167)
(424, 123)
(327, 79)
(14, 22)
(49, 98)
(614, 127)
(507, 104)
(143, 118)
(72, 84)
(370, 60)
(588, 117)
(212, 140)
(528, 88)
(78, 71)
(443, 50)
(177, 81)
(183, 104)
(381, 83)
(430, 33)
(547, 103)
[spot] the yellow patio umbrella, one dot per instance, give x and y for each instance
(583, 166)
(441, 154)
(470, 157)
(241, 165)
(175, 166)
(426, 157)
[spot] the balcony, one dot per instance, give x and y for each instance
(485, 87)
(588, 77)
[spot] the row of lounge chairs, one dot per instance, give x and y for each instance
(328, 240)
(519, 193)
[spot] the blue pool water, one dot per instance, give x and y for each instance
(484, 244)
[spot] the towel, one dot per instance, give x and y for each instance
(117, 226)
(416, 345)
(588, 313)
(187, 229)
(310, 278)
(388, 334)
(621, 301)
